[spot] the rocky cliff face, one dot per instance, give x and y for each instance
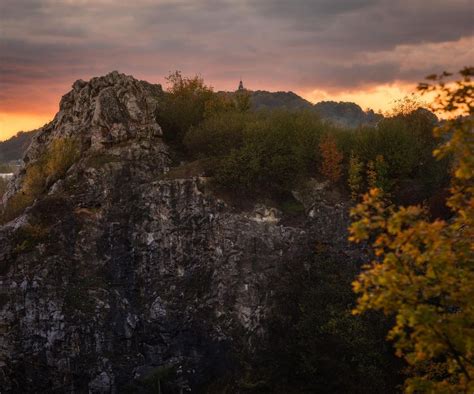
(118, 276)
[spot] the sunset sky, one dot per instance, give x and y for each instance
(367, 51)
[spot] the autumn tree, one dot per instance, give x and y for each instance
(423, 270)
(218, 104)
(184, 105)
(406, 106)
(331, 166)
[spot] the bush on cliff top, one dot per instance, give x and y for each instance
(277, 150)
(183, 106)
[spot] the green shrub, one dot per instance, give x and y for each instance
(218, 135)
(276, 151)
(264, 165)
(404, 141)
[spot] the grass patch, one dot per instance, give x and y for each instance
(188, 170)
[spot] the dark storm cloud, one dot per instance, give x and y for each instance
(354, 75)
(326, 44)
(374, 24)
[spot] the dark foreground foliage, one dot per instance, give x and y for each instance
(316, 345)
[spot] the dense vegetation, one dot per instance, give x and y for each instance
(316, 344)
(267, 154)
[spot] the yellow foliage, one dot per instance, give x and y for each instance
(34, 180)
(16, 205)
(423, 270)
(61, 154)
(50, 167)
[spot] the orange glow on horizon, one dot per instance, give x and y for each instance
(12, 123)
(380, 98)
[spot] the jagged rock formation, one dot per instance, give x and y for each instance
(117, 271)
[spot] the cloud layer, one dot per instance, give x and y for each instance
(302, 45)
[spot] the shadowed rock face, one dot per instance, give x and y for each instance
(117, 272)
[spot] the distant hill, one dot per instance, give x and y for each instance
(262, 99)
(13, 148)
(345, 114)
